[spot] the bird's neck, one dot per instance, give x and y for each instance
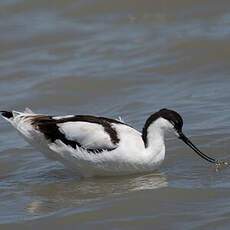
(153, 137)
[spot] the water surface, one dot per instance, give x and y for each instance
(117, 58)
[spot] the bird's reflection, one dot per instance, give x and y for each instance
(68, 191)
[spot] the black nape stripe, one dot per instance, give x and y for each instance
(6, 114)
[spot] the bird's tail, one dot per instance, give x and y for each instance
(13, 115)
(7, 114)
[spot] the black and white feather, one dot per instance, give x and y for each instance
(94, 145)
(93, 134)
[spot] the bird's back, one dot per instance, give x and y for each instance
(87, 144)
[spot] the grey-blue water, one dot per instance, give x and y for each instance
(117, 58)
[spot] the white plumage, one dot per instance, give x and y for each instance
(96, 146)
(89, 135)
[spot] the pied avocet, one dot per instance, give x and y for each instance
(94, 145)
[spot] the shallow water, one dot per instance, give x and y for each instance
(117, 58)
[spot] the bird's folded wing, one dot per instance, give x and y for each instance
(94, 134)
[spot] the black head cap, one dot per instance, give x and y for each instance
(173, 117)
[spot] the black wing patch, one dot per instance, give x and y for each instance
(49, 127)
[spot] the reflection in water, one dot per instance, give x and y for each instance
(66, 193)
(127, 58)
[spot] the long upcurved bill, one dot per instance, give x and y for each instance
(192, 146)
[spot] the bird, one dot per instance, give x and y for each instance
(100, 146)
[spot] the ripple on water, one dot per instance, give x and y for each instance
(128, 59)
